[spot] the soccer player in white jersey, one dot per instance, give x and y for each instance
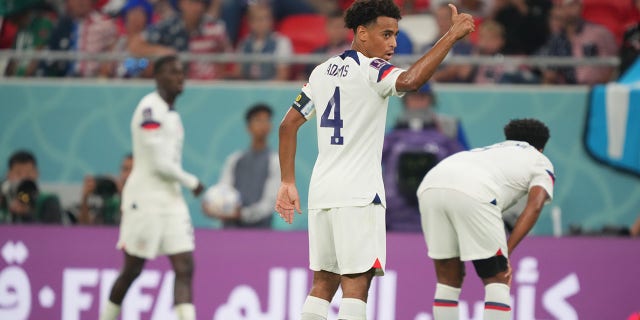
(349, 94)
(461, 203)
(155, 217)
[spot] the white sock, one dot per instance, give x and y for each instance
(315, 308)
(352, 309)
(110, 311)
(445, 302)
(185, 311)
(497, 302)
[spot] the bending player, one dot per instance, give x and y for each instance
(461, 203)
(155, 217)
(350, 94)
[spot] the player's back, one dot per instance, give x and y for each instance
(153, 128)
(350, 93)
(502, 172)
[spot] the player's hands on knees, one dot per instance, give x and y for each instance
(461, 24)
(288, 201)
(198, 190)
(509, 274)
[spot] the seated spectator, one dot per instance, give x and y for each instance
(525, 23)
(630, 49)
(35, 23)
(447, 72)
(82, 29)
(136, 15)
(338, 38)
(21, 201)
(579, 39)
(193, 31)
(100, 203)
(420, 139)
(255, 173)
(404, 45)
(491, 41)
(262, 39)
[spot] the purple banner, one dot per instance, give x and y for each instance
(66, 273)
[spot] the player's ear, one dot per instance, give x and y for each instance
(362, 33)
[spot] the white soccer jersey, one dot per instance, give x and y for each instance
(350, 94)
(499, 174)
(154, 183)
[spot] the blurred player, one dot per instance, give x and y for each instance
(349, 93)
(461, 203)
(155, 218)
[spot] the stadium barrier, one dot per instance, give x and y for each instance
(66, 273)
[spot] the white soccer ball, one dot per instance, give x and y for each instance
(221, 199)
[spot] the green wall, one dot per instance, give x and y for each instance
(82, 127)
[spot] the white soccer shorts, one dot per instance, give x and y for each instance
(148, 235)
(348, 240)
(457, 225)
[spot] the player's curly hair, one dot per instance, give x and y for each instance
(532, 131)
(160, 62)
(365, 12)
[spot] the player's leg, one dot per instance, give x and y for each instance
(360, 240)
(323, 262)
(130, 271)
(355, 289)
(442, 243)
(449, 275)
(182, 264)
(482, 239)
(325, 285)
(495, 275)
(178, 243)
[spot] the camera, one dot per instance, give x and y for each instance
(24, 191)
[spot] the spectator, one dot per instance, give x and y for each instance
(82, 30)
(191, 31)
(136, 15)
(630, 49)
(338, 38)
(419, 140)
(255, 173)
(100, 203)
(525, 23)
(447, 72)
(491, 42)
(579, 39)
(233, 11)
(21, 200)
(262, 39)
(35, 23)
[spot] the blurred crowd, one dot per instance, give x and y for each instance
(142, 29)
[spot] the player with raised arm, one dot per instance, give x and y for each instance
(461, 203)
(155, 217)
(350, 94)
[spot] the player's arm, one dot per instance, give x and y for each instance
(535, 202)
(423, 69)
(163, 154)
(288, 200)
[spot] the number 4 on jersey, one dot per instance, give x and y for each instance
(335, 123)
